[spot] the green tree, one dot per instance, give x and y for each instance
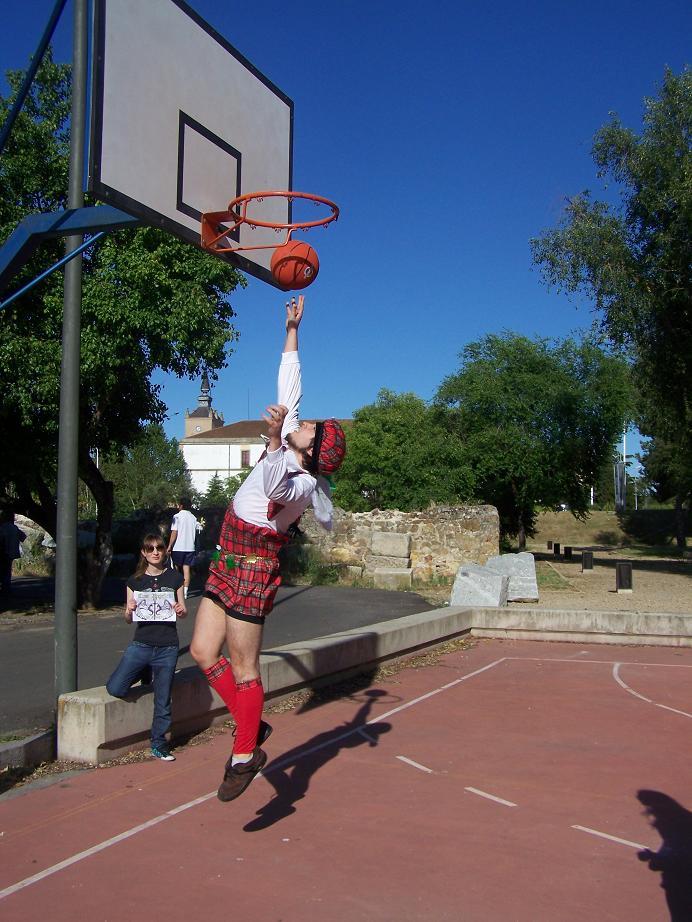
(150, 303)
(536, 421)
(399, 456)
(221, 491)
(215, 494)
(667, 475)
(149, 474)
(634, 260)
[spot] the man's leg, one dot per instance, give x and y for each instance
(244, 641)
(5, 574)
(186, 578)
(207, 642)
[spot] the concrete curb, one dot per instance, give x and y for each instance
(28, 751)
(93, 727)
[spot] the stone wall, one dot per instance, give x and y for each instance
(442, 537)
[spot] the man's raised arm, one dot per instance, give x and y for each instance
(294, 314)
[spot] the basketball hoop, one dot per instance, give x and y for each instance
(297, 261)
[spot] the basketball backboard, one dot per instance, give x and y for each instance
(182, 123)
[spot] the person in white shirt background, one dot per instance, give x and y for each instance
(244, 575)
(181, 543)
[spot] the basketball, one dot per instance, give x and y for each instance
(295, 265)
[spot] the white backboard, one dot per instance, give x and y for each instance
(182, 123)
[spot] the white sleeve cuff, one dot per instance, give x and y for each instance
(273, 457)
(290, 358)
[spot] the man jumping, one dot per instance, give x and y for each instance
(243, 582)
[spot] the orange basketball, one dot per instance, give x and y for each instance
(295, 265)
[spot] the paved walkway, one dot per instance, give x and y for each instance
(300, 613)
(498, 784)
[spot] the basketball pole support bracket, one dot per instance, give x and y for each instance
(27, 236)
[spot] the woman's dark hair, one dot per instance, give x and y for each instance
(151, 539)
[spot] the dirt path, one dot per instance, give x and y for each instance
(659, 584)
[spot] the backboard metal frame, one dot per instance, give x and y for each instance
(182, 216)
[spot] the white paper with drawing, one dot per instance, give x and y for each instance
(154, 606)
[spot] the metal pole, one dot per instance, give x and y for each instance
(68, 436)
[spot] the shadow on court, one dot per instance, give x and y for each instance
(290, 775)
(674, 857)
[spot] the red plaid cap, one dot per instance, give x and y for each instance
(332, 447)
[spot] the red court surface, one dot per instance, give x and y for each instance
(497, 784)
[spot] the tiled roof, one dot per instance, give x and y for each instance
(251, 430)
(206, 412)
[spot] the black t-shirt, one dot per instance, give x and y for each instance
(156, 633)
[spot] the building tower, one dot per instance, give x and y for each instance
(203, 419)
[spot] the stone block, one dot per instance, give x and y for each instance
(479, 587)
(390, 544)
(521, 569)
(392, 578)
(354, 572)
(381, 562)
(94, 727)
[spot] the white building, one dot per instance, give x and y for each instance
(210, 447)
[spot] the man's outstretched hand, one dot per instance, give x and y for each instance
(294, 313)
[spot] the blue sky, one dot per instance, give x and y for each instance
(449, 134)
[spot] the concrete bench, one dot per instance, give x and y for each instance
(93, 727)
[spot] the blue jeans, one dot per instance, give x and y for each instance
(162, 661)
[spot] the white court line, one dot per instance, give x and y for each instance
(498, 800)
(48, 872)
(95, 849)
(595, 662)
(621, 682)
(415, 764)
(604, 835)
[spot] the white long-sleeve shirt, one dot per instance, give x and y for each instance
(279, 475)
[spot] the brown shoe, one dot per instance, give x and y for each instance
(265, 731)
(237, 777)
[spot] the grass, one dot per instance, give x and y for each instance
(548, 578)
(11, 737)
(644, 532)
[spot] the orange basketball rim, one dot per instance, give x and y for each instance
(217, 225)
(294, 263)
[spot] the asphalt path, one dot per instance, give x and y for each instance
(300, 613)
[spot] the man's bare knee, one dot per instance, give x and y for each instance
(209, 634)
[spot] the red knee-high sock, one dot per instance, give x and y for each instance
(248, 712)
(220, 677)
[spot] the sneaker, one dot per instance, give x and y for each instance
(237, 777)
(163, 753)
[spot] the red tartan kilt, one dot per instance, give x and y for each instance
(249, 588)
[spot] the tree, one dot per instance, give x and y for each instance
(149, 474)
(634, 259)
(150, 302)
(668, 475)
(536, 421)
(215, 494)
(220, 492)
(400, 457)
